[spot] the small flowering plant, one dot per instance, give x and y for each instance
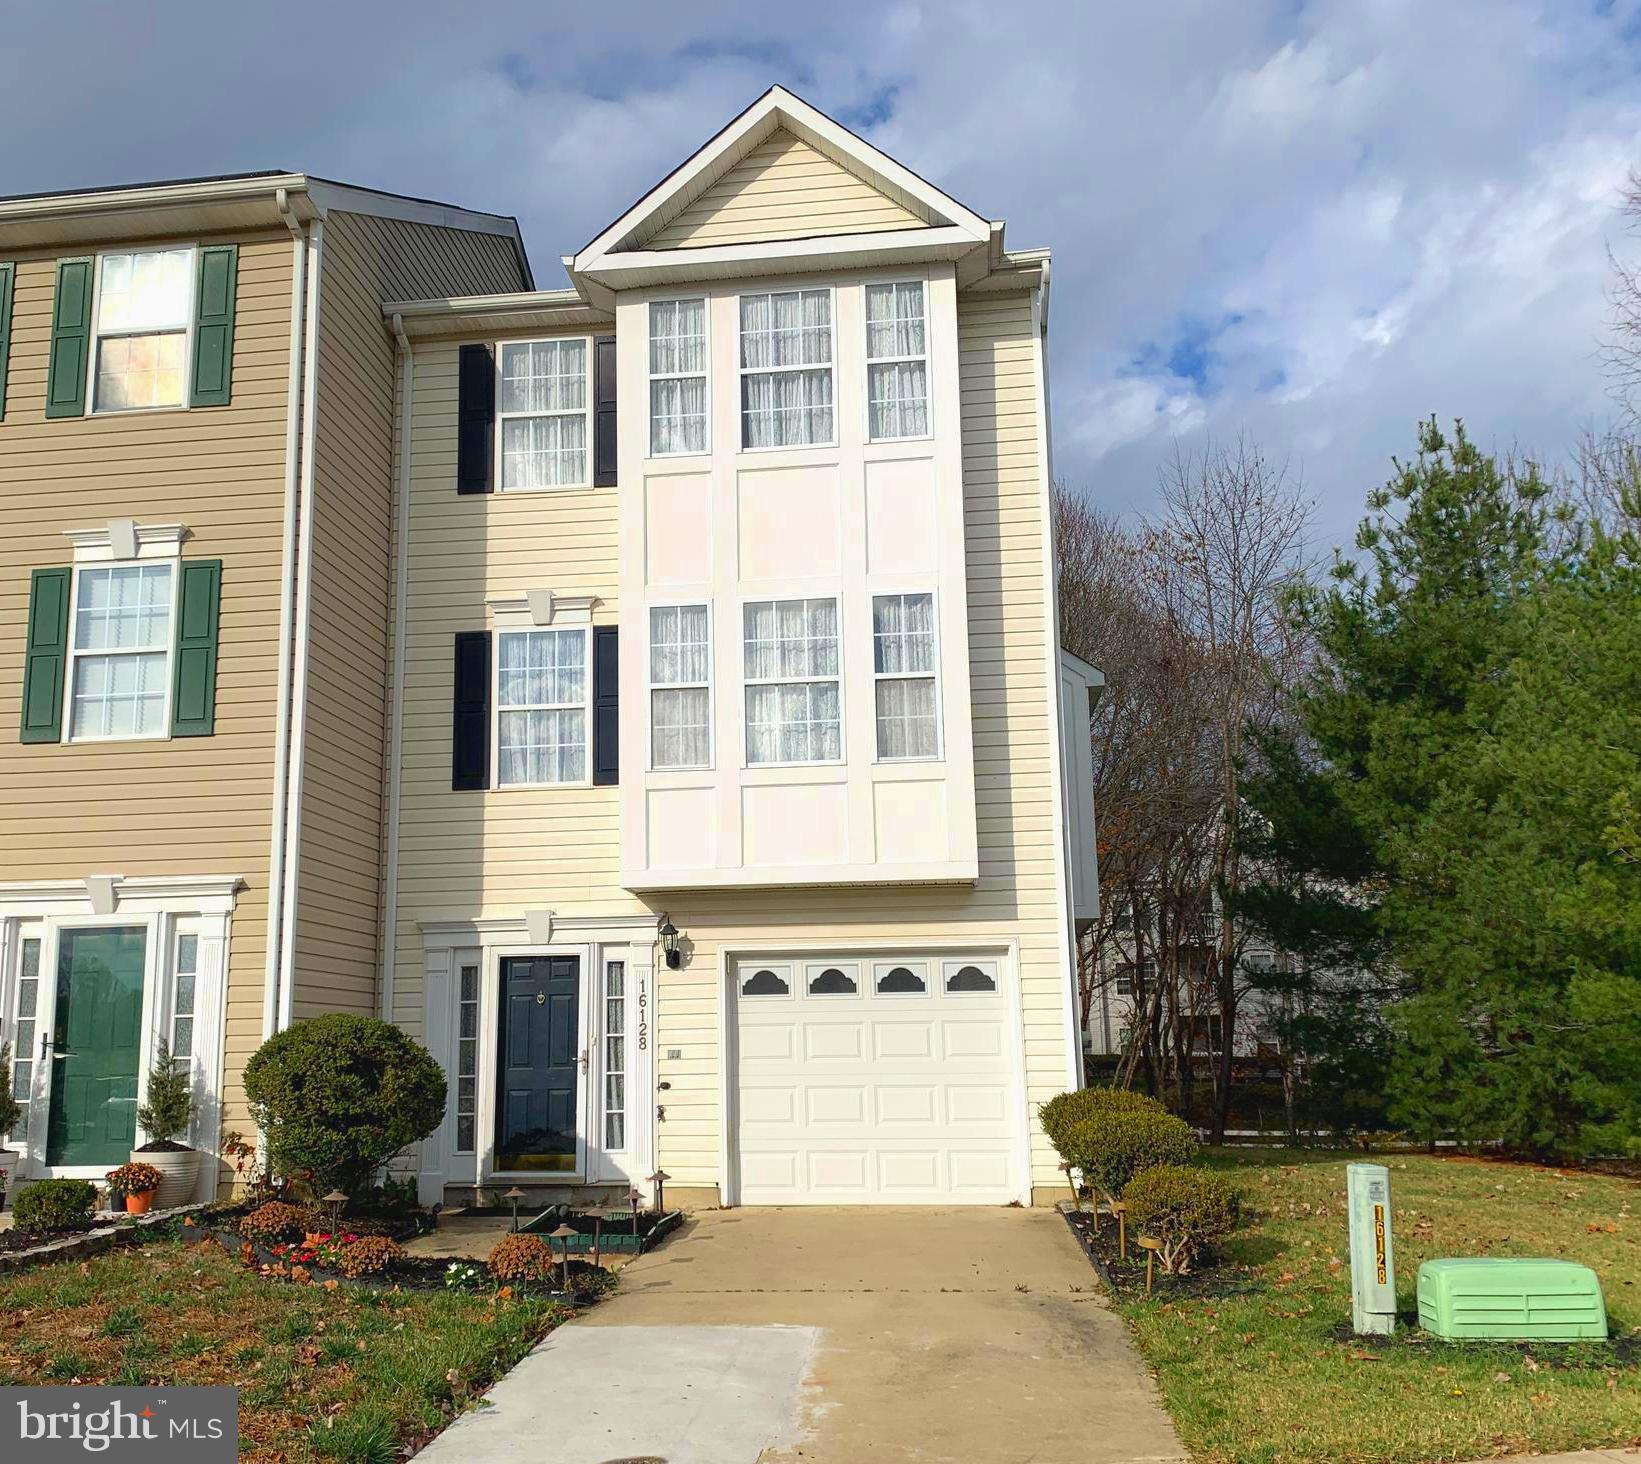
(322, 1248)
(463, 1276)
(133, 1179)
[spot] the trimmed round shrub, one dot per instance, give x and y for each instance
(1082, 1104)
(522, 1258)
(1188, 1209)
(1113, 1147)
(55, 1204)
(276, 1221)
(338, 1096)
(370, 1255)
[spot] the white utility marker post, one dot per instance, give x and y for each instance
(1372, 1262)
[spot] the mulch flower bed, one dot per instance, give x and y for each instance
(1125, 1277)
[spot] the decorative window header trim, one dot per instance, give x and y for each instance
(544, 607)
(121, 539)
(209, 894)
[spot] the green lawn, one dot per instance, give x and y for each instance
(345, 1375)
(1263, 1375)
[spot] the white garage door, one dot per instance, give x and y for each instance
(874, 1081)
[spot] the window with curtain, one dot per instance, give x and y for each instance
(541, 413)
(680, 689)
(184, 998)
(121, 650)
(541, 707)
(467, 1057)
(903, 662)
(897, 361)
(615, 1054)
(678, 377)
(792, 700)
(23, 1017)
(786, 369)
(144, 302)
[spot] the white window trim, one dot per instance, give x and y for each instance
(75, 653)
(474, 959)
(870, 361)
(190, 322)
(939, 754)
(607, 959)
(496, 708)
(742, 372)
(705, 374)
(587, 394)
(655, 686)
(749, 681)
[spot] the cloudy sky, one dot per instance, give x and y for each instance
(1314, 219)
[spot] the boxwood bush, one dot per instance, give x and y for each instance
(338, 1096)
(1112, 1147)
(1188, 1209)
(55, 1204)
(1081, 1104)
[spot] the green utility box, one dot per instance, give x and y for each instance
(1482, 1297)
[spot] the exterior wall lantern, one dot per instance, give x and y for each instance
(667, 933)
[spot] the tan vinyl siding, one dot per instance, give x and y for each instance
(783, 189)
(465, 855)
(366, 260)
(196, 805)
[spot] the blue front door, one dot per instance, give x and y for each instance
(539, 1066)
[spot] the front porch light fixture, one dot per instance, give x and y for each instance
(667, 933)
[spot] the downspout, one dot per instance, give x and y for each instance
(286, 990)
(287, 576)
(396, 704)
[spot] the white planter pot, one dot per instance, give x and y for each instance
(179, 1174)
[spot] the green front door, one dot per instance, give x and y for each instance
(96, 1044)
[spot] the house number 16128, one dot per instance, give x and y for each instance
(643, 1015)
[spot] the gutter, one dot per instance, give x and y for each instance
(396, 702)
(283, 995)
(287, 575)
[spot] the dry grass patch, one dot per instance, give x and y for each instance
(341, 1375)
(1265, 1375)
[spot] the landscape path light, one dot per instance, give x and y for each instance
(659, 1180)
(563, 1235)
(513, 1196)
(334, 1202)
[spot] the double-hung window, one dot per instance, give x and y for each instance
(678, 377)
(144, 305)
(786, 369)
(543, 414)
(793, 712)
(541, 707)
(680, 687)
(120, 683)
(905, 669)
(897, 361)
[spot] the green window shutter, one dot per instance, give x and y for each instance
(70, 339)
(47, 660)
(194, 681)
(8, 274)
(214, 326)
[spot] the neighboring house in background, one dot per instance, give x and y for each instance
(196, 417)
(728, 604)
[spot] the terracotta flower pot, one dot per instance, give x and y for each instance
(139, 1204)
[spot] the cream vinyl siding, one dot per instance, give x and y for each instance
(366, 260)
(464, 855)
(197, 805)
(783, 189)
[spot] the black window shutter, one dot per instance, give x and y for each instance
(476, 421)
(606, 705)
(604, 413)
(470, 726)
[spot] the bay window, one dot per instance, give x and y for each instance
(542, 710)
(543, 410)
(897, 361)
(793, 706)
(143, 308)
(678, 377)
(786, 369)
(904, 669)
(680, 690)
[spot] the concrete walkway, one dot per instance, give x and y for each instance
(832, 1336)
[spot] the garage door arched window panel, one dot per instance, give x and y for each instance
(976, 977)
(901, 978)
(833, 980)
(766, 981)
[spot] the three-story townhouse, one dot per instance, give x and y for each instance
(739, 808)
(196, 448)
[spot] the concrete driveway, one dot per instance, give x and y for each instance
(832, 1336)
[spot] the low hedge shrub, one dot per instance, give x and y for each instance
(1112, 1147)
(55, 1204)
(1060, 1113)
(1188, 1209)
